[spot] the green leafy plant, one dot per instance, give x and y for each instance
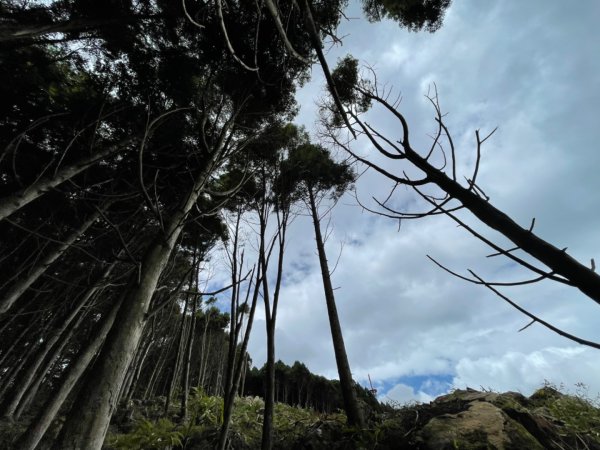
(147, 435)
(205, 409)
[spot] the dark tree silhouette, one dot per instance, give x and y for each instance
(455, 196)
(411, 14)
(310, 173)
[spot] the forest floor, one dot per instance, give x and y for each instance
(464, 419)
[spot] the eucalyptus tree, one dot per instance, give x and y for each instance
(311, 174)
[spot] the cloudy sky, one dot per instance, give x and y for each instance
(532, 69)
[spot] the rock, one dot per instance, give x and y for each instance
(467, 395)
(481, 426)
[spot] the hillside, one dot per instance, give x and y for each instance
(465, 419)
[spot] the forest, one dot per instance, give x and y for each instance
(139, 136)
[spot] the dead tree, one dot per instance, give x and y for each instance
(452, 195)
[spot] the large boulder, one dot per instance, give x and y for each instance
(481, 426)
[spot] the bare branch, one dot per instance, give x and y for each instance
(187, 14)
(228, 42)
(535, 318)
(273, 10)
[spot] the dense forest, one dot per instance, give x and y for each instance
(138, 135)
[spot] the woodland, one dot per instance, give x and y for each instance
(137, 135)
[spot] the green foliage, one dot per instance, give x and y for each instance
(414, 15)
(205, 409)
(578, 412)
(310, 167)
(159, 435)
(347, 83)
(346, 78)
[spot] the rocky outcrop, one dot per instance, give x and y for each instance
(470, 419)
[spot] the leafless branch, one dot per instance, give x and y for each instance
(535, 318)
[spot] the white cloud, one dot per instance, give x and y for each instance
(530, 68)
(565, 366)
(402, 394)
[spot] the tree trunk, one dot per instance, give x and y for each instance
(33, 274)
(271, 318)
(30, 439)
(230, 398)
(187, 354)
(204, 352)
(185, 377)
(138, 370)
(26, 378)
(87, 423)
(34, 386)
(19, 199)
(17, 365)
(10, 33)
(353, 412)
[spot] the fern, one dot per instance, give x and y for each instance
(147, 435)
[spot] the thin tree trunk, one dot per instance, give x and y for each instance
(19, 363)
(228, 393)
(353, 412)
(158, 368)
(26, 378)
(19, 199)
(178, 358)
(30, 439)
(230, 398)
(185, 378)
(271, 318)
(33, 274)
(205, 351)
(87, 423)
(33, 388)
(138, 370)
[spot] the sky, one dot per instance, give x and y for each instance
(532, 70)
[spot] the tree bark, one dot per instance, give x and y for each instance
(584, 278)
(19, 199)
(33, 274)
(30, 439)
(353, 412)
(87, 423)
(237, 374)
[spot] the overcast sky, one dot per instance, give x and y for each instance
(532, 69)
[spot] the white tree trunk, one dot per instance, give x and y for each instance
(24, 283)
(16, 201)
(87, 423)
(30, 439)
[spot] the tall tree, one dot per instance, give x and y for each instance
(310, 173)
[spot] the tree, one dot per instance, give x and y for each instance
(411, 14)
(267, 201)
(127, 114)
(310, 174)
(563, 268)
